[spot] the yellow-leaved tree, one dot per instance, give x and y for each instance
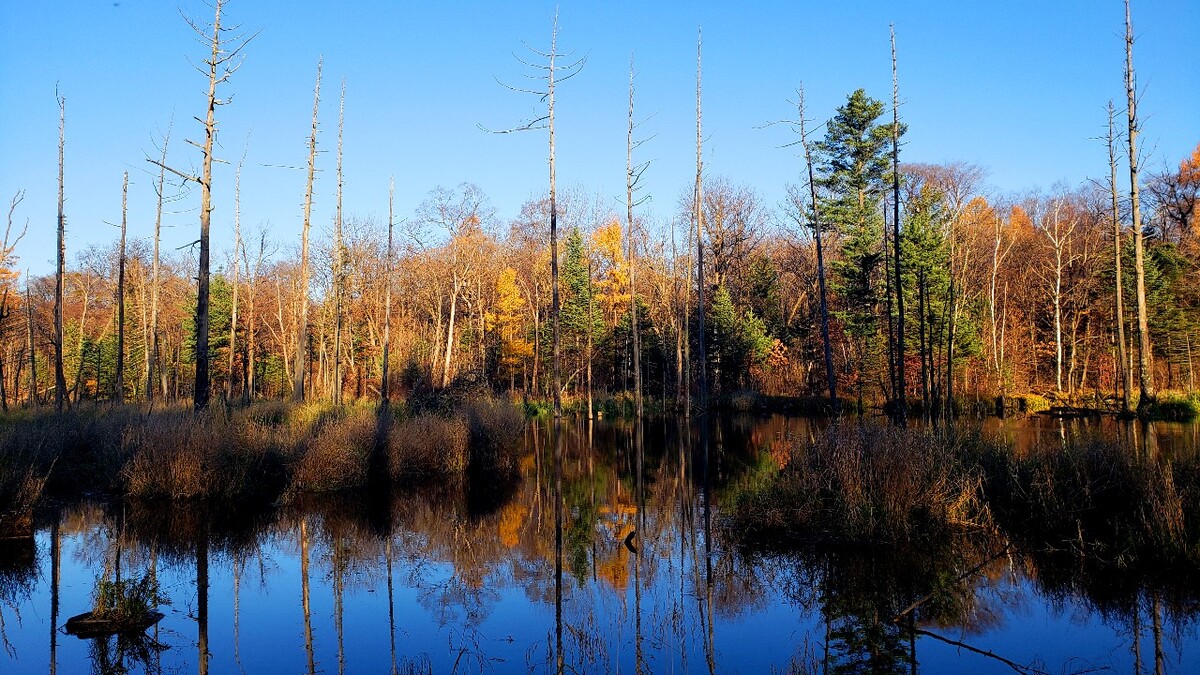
(506, 322)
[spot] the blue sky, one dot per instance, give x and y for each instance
(1016, 87)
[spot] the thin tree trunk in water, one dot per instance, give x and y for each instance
(901, 406)
(300, 363)
(60, 378)
(1145, 351)
(202, 599)
(338, 261)
(119, 389)
(387, 313)
(55, 582)
(1119, 289)
(304, 597)
(699, 216)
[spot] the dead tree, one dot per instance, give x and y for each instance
(237, 246)
(300, 363)
(119, 393)
(60, 378)
(152, 351)
(1145, 351)
(830, 374)
(387, 297)
(1118, 291)
(633, 176)
(698, 216)
(339, 262)
(222, 62)
(33, 397)
(897, 258)
(550, 70)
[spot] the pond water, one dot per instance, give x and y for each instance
(541, 573)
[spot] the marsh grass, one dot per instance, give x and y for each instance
(1091, 497)
(257, 453)
(128, 602)
(864, 484)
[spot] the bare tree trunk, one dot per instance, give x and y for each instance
(1145, 351)
(699, 216)
(119, 393)
(901, 406)
(1119, 289)
(237, 246)
(248, 390)
(830, 375)
(33, 397)
(554, 299)
(300, 363)
(387, 299)
(450, 332)
(60, 378)
(630, 179)
(338, 261)
(152, 351)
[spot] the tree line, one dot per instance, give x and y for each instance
(876, 281)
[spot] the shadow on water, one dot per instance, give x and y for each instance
(601, 548)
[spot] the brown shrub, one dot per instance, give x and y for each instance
(338, 456)
(428, 444)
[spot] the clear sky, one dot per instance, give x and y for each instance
(1017, 87)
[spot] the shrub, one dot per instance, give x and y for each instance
(1174, 405)
(427, 445)
(128, 602)
(1032, 403)
(338, 456)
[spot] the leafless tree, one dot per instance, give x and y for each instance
(60, 378)
(897, 258)
(550, 73)
(1118, 239)
(300, 362)
(1145, 350)
(633, 175)
(226, 46)
(119, 389)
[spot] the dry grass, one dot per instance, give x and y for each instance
(865, 484)
(338, 454)
(427, 445)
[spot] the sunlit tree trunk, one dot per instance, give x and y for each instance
(1145, 351)
(300, 362)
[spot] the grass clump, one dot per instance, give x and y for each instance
(127, 602)
(427, 445)
(1176, 406)
(863, 484)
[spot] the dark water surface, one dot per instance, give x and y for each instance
(534, 574)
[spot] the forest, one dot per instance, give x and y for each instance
(876, 281)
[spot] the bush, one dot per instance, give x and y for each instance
(1032, 403)
(1175, 405)
(427, 445)
(128, 602)
(338, 457)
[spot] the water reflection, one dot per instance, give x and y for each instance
(602, 550)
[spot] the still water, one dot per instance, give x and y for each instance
(543, 572)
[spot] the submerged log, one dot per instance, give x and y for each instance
(88, 625)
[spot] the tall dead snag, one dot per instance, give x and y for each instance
(1118, 291)
(698, 216)
(152, 351)
(830, 375)
(60, 378)
(237, 247)
(339, 263)
(119, 388)
(633, 176)
(551, 70)
(897, 259)
(1145, 351)
(300, 363)
(387, 297)
(222, 62)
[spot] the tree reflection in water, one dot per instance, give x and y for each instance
(528, 568)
